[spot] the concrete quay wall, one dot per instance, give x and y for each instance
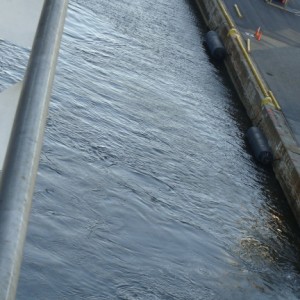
(260, 103)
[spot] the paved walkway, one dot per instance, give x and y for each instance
(277, 54)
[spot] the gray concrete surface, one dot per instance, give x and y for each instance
(277, 54)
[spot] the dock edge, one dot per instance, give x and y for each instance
(259, 102)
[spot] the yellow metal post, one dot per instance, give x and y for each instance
(238, 11)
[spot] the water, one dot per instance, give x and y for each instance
(146, 188)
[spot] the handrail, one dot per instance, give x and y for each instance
(22, 158)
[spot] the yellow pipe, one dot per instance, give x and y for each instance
(226, 15)
(274, 100)
(252, 67)
(233, 32)
(267, 100)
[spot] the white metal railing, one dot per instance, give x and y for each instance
(22, 157)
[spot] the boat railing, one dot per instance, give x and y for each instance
(22, 157)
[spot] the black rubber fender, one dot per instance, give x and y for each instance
(259, 145)
(215, 46)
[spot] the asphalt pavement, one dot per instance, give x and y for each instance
(277, 54)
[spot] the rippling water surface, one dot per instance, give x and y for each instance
(146, 188)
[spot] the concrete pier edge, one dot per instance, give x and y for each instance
(260, 103)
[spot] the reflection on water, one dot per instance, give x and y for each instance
(146, 188)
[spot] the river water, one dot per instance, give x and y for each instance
(146, 187)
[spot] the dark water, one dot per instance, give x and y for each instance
(146, 187)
